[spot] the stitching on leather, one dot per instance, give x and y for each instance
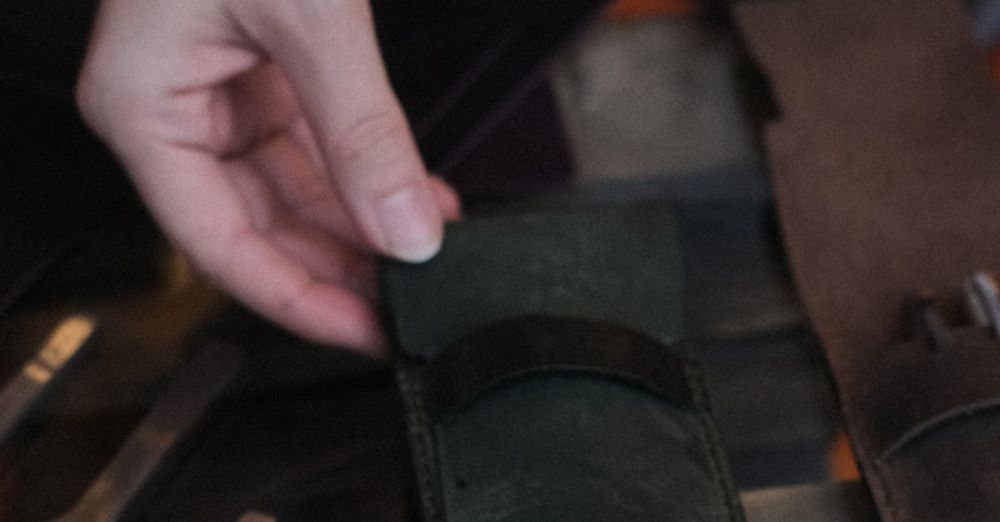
(710, 441)
(422, 442)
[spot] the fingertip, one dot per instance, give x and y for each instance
(376, 346)
(409, 224)
(448, 201)
(372, 344)
(343, 322)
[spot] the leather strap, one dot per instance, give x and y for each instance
(524, 401)
(885, 163)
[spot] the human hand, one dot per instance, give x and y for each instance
(266, 140)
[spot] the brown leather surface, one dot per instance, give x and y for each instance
(886, 166)
(915, 389)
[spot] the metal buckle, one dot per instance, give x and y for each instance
(983, 302)
(982, 305)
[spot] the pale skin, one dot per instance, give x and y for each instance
(266, 140)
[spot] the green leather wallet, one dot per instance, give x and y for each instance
(543, 374)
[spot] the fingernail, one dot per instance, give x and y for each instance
(410, 225)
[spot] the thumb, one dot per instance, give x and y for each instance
(330, 54)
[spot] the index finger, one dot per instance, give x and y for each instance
(330, 54)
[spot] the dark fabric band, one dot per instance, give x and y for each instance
(535, 344)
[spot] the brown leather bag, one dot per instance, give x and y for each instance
(886, 167)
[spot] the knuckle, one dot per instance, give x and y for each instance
(103, 103)
(83, 95)
(89, 98)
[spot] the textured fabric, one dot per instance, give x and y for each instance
(885, 163)
(563, 442)
(618, 266)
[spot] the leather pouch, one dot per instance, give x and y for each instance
(884, 162)
(933, 425)
(542, 375)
